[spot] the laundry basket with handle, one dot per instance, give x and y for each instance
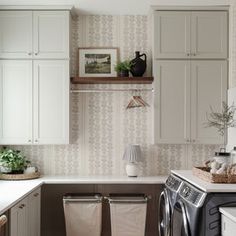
(83, 214)
(128, 214)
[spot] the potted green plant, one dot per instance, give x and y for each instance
(123, 68)
(12, 161)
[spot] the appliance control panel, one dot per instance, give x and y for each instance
(173, 183)
(192, 195)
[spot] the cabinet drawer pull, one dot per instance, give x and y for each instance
(36, 54)
(36, 194)
(29, 141)
(29, 53)
(22, 206)
(36, 140)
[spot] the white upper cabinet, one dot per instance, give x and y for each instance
(51, 102)
(15, 34)
(51, 34)
(34, 34)
(15, 102)
(172, 38)
(172, 101)
(208, 89)
(190, 34)
(185, 92)
(209, 35)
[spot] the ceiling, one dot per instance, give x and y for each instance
(114, 7)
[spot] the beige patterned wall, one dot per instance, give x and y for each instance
(101, 127)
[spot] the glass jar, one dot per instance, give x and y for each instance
(233, 156)
(222, 157)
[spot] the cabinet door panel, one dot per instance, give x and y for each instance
(227, 226)
(18, 216)
(34, 213)
(51, 102)
(208, 89)
(51, 34)
(209, 35)
(172, 34)
(15, 102)
(172, 121)
(15, 34)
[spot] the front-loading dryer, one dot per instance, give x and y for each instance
(196, 213)
(167, 200)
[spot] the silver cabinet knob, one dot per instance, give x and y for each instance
(36, 140)
(29, 141)
(193, 140)
(188, 54)
(194, 54)
(36, 54)
(29, 53)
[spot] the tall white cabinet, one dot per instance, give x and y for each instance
(34, 76)
(191, 73)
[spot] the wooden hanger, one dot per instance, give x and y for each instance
(137, 101)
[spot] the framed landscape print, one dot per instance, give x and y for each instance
(97, 62)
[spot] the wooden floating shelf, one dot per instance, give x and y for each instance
(112, 80)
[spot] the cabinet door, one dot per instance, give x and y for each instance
(18, 222)
(51, 102)
(15, 34)
(15, 102)
(227, 226)
(172, 103)
(171, 34)
(51, 34)
(208, 89)
(209, 35)
(34, 213)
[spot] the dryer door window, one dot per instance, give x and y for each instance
(180, 225)
(164, 214)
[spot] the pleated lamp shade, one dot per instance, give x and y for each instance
(132, 153)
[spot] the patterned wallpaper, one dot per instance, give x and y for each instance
(101, 127)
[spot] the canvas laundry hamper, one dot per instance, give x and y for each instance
(128, 215)
(83, 214)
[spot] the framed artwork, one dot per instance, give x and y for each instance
(97, 62)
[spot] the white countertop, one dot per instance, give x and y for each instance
(11, 192)
(229, 212)
(103, 180)
(203, 185)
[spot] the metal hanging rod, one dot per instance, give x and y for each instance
(109, 90)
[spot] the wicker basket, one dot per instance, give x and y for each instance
(19, 176)
(204, 174)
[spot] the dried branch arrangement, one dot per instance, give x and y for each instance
(222, 120)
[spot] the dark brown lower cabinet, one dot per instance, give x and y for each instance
(52, 215)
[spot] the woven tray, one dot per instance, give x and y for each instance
(204, 174)
(19, 176)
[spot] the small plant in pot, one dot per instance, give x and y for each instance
(12, 161)
(123, 68)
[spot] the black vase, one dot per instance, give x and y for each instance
(139, 65)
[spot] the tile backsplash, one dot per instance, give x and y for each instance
(101, 127)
